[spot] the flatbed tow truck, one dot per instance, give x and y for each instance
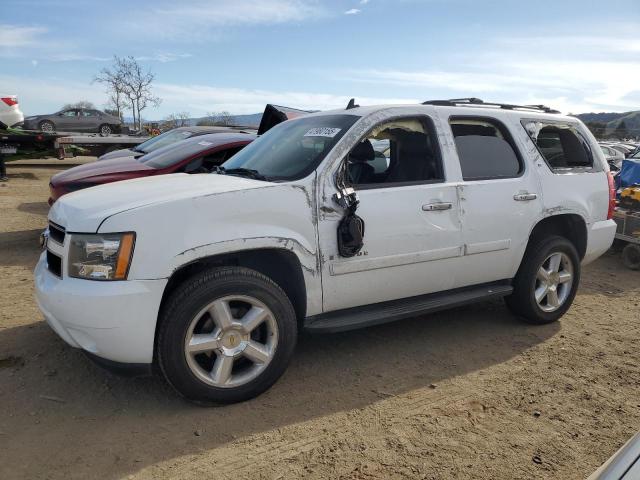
(18, 144)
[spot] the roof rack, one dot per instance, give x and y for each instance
(476, 102)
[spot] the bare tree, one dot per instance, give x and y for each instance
(81, 104)
(137, 83)
(128, 84)
(113, 79)
(175, 120)
(223, 119)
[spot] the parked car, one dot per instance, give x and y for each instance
(167, 138)
(210, 277)
(272, 115)
(614, 157)
(75, 120)
(10, 114)
(193, 155)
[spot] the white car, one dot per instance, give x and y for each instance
(10, 114)
(614, 157)
(211, 277)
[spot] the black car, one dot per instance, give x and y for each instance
(75, 120)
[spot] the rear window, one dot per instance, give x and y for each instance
(561, 145)
(485, 149)
(163, 140)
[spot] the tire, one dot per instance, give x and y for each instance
(104, 130)
(530, 281)
(46, 126)
(631, 256)
(206, 377)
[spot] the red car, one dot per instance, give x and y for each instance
(194, 155)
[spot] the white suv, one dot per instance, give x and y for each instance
(211, 277)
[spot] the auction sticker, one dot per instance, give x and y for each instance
(323, 132)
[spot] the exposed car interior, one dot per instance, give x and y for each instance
(404, 152)
(208, 163)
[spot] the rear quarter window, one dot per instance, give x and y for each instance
(561, 145)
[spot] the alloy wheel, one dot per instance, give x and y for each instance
(553, 282)
(231, 341)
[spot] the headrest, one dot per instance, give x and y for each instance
(362, 152)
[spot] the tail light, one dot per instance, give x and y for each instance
(612, 196)
(10, 101)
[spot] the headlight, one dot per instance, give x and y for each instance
(102, 256)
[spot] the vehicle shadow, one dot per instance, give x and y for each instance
(81, 421)
(38, 208)
(20, 248)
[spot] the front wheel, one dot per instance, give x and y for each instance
(226, 335)
(546, 282)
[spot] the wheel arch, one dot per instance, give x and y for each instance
(279, 264)
(571, 226)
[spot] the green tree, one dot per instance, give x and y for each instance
(598, 129)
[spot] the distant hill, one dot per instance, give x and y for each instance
(612, 120)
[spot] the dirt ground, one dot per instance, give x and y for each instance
(468, 393)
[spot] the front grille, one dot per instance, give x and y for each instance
(54, 263)
(56, 233)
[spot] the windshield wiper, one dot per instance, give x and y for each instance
(242, 172)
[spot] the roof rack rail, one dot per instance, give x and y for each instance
(476, 102)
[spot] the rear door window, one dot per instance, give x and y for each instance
(485, 149)
(561, 145)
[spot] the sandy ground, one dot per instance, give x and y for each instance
(469, 393)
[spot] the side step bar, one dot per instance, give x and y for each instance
(377, 313)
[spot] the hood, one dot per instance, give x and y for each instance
(85, 210)
(94, 169)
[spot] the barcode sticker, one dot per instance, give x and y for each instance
(323, 132)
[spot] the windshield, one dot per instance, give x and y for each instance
(167, 138)
(292, 149)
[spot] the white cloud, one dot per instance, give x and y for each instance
(203, 20)
(353, 11)
(164, 57)
(19, 36)
(199, 99)
(364, 2)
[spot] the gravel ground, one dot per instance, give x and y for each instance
(468, 393)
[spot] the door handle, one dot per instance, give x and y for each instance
(525, 197)
(436, 207)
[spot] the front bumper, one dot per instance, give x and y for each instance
(115, 321)
(600, 238)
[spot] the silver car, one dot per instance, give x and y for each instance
(75, 120)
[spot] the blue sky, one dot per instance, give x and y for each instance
(213, 55)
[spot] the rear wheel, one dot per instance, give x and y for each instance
(105, 130)
(226, 335)
(631, 256)
(546, 282)
(47, 126)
